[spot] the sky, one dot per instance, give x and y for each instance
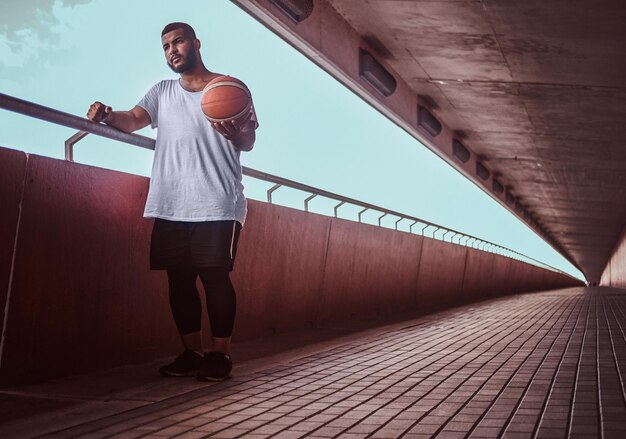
(66, 54)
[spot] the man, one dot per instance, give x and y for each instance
(196, 198)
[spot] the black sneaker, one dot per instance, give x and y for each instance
(185, 365)
(217, 367)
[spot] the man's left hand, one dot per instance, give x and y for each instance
(233, 128)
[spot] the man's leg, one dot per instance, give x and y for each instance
(221, 307)
(221, 304)
(187, 312)
(193, 341)
(221, 344)
(186, 306)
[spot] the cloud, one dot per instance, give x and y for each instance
(31, 17)
(32, 66)
(31, 35)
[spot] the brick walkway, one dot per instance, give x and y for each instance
(548, 365)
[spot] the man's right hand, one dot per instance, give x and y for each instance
(98, 112)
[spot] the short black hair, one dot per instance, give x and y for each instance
(178, 25)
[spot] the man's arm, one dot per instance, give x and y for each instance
(127, 121)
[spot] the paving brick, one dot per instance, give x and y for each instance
(516, 435)
(505, 365)
(213, 427)
(289, 435)
(268, 429)
(287, 420)
(197, 435)
(387, 433)
(459, 426)
(425, 428)
(520, 428)
(171, 431)
(363, 428)
(486, 432)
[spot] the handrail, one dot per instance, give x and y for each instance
(69, 120)
(87, 126)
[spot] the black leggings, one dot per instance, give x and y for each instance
(185, 301)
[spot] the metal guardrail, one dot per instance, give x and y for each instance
(86, 126)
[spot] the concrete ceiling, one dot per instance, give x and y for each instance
(536, 88)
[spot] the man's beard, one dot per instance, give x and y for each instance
(190, 62)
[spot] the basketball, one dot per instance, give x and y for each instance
(225, 98)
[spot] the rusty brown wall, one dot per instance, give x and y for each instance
(12, 172)
(82, 298)
(275, 288)
(614, 274)
(80, 286)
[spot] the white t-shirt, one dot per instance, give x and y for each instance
(196, 173)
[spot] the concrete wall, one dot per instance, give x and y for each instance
(12, 172)
(331, 42)
(614, 274)
(79, 295)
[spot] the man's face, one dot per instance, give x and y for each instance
(180, 52)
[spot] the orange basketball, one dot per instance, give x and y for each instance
(225, 98)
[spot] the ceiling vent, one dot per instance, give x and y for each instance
(297, 10)
(460, 151)
(373, 72)
(482, 171)
(497, 187)
(427, 121)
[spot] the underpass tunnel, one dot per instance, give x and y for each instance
(348, 329)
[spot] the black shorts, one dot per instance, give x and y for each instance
(178, 244)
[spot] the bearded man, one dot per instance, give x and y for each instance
(196, 198)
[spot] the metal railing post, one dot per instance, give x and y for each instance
(86, 126)
(306, 202)
(398, 222)
(381, 217)
(69, 144)
(269, 192)
(361, 213)
(338, 206)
